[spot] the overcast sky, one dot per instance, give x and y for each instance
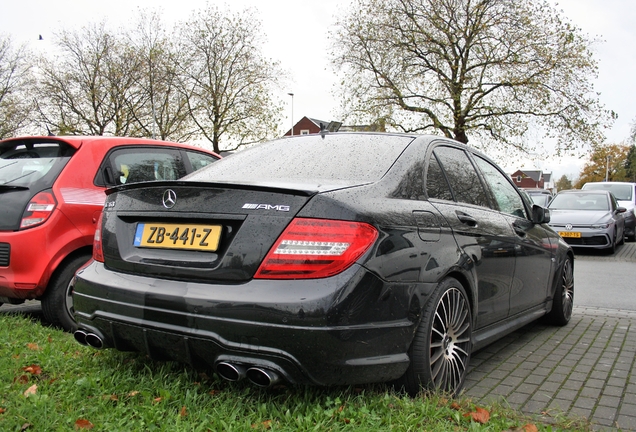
(294, 26)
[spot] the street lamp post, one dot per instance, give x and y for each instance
(292, 112)
(607, 160)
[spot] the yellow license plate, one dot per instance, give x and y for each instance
(178, 236)
(570, 234)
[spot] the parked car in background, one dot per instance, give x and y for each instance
(625, 193)
(540, 197)
(588, 219)
(51, 196)
(343, 258)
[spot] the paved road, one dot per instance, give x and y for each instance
(586, 369)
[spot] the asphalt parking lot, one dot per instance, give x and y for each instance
(586, 369)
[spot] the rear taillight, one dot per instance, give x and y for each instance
(98, 253)
(316, 248)
(39, 209)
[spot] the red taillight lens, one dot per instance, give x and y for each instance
(98, 253)
(39, 209)
(316, 248)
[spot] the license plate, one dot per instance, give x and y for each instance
(570, 234)
(178, 236)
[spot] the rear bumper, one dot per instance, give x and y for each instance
(350, 328)
(29, 257)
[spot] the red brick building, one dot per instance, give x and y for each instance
(531, 179)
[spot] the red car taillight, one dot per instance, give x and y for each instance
(316, 248)
(39, 209)
(98, 253)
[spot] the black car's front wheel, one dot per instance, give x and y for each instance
(563, 302)
(442, 345)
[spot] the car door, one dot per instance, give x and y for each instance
(455, 189)
(533, 254)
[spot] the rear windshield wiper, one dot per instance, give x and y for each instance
(7, 188)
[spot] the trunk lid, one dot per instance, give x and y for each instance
(176, 240)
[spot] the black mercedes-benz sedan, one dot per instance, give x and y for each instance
(342, 258)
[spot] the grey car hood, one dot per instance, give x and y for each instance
(578, 217)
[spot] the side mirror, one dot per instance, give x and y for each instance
(540, 214)
(621, 209)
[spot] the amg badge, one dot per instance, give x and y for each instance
(249, 206)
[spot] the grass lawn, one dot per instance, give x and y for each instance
(48, 382)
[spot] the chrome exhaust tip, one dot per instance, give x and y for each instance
(262, 377)
(230, 372)
(80, 336)
(94, 340)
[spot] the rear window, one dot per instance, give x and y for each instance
(25, 163)
(336, 157)
(622, 192)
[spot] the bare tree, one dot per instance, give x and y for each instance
(227, 81)
(16, 102)
(491, 70)
(159, 107)
(86, 90)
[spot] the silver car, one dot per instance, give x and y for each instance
(625, 193)
(588, 219)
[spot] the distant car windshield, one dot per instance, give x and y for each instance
(580, 201)
(334, 157)
(622, 192)
(540, 198)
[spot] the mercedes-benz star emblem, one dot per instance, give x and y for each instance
(169, 198)
(567, 226)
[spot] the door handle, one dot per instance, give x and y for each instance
(466, 219)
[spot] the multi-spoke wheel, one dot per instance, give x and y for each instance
(563, 296)
(442, 345)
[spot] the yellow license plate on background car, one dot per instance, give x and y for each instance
(570, 234)
(178, 236)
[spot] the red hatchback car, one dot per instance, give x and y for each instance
(51, 196)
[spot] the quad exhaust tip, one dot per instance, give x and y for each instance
(261, 377)
(89, 339)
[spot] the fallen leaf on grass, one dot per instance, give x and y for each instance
(83, 424)
(31, 390)
(526, 428)
(480, 415)
(267, 424)
(157, 399)
(456, 406)
(33, 346)
(22, 379)
(33, 369)
(133, 393)
(183, 412)
(25, 426)
(111, 397)
(2, 410)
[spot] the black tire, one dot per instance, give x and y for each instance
(57, 302)
(611, 249)
(442, 345)
(563, 302)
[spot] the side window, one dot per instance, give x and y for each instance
(412, 184)
(507, 198)
(462, 177)
(436, 184)
(148, 164)
(200, 160)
